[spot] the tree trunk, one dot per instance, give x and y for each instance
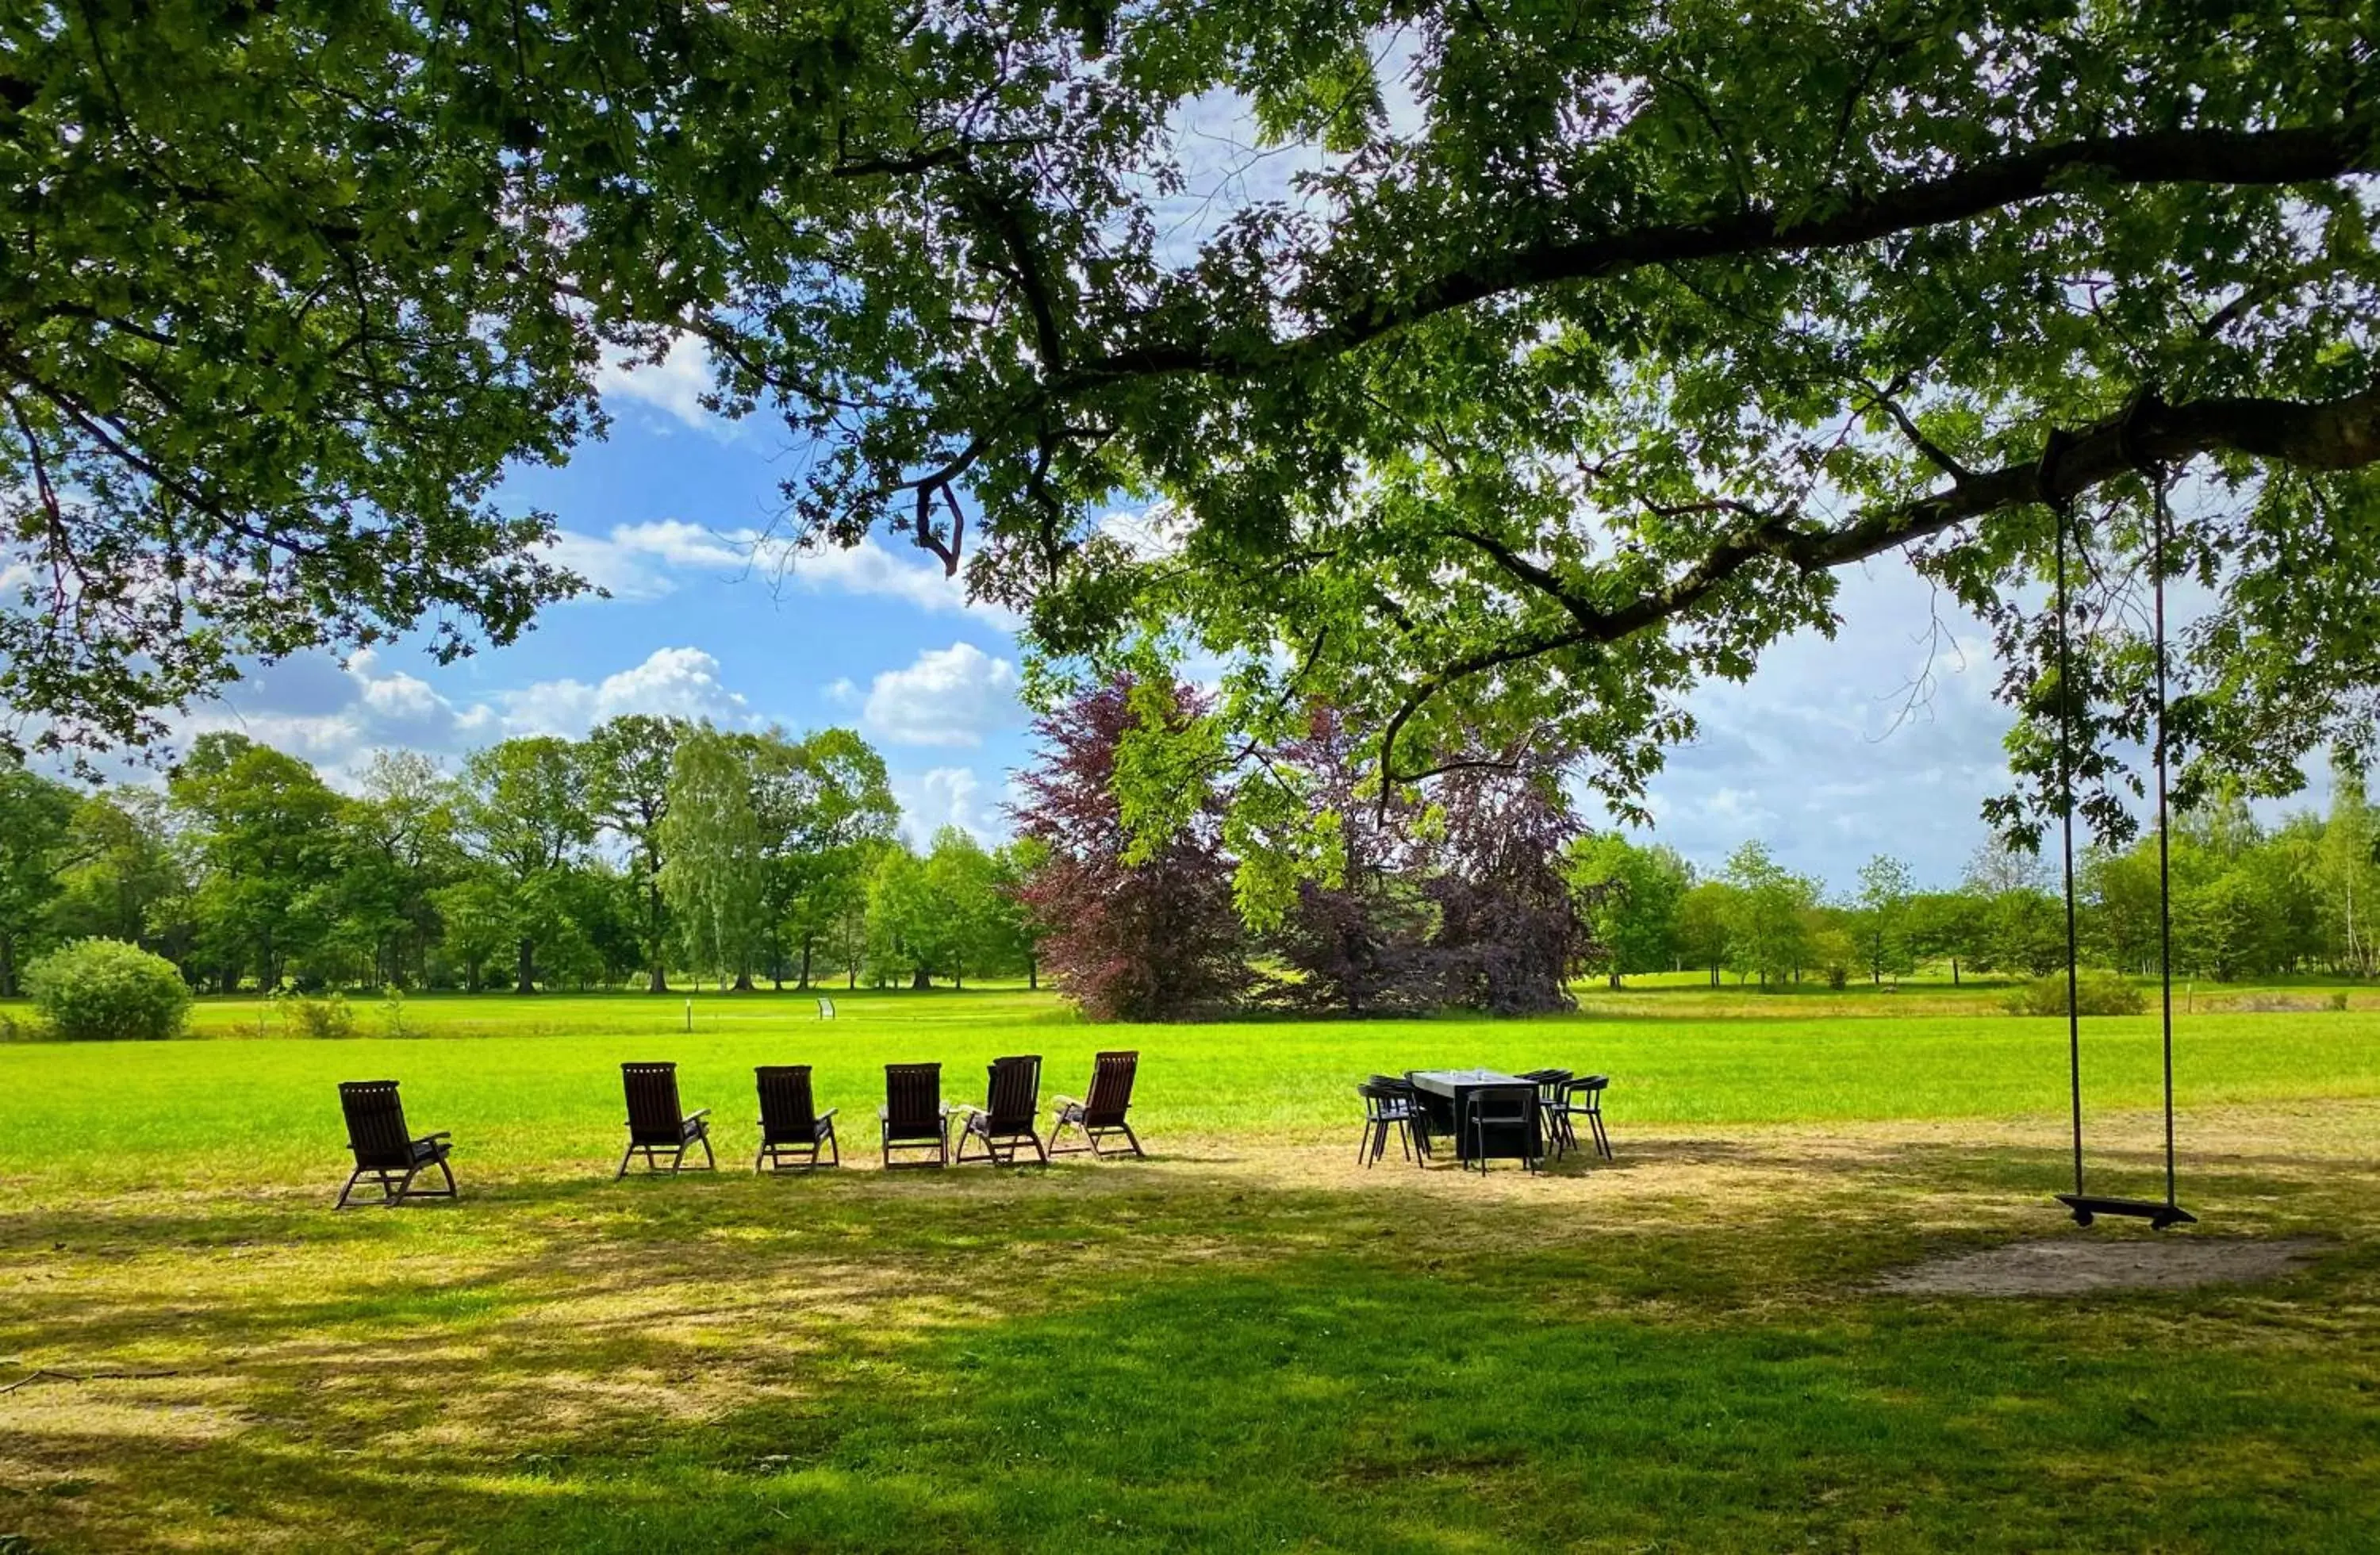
(1032, 973)
(1954, 971)
(922, 979)
(804, 980)
(1615, 982)
(656, 977)
(526, 969)
(743, 979)
(7, 967)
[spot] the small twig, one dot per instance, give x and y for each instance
(44, 1374)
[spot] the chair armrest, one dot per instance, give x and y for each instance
(697, 1114)
(963, 1109)
(824, 1116)
(433, 1138)
(1060, 1103)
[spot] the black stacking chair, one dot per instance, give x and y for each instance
(912, 1117)
(1386, 1110)
(792, 1131)
(1416, 1113)
(1550, 1083)
(1584, 1098)
(1004, 1123)
(656, 1123)
(385, 1151)
(1493, 1114)
(1101, 1114)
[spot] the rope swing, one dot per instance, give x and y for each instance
(2087, 1207)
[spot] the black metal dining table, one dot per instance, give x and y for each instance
(1443, 1093)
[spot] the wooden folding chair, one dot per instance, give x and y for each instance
(1102, 1114)
(385, 1150)
(912, 1117)
(1004, 1123)
(792, 1130)
(656, 1123)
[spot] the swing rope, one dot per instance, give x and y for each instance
(2084, 1206)
(2065, 513)
(2061, 509)
(2156, 477)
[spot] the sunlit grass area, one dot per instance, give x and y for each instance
(1247, 1341)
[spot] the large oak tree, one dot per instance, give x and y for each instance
(1584, 345)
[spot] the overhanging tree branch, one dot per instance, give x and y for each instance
(2330, 434)
(2266, 158)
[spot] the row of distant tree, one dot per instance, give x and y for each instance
(656, 848)
(652, 847)
(2248, 901)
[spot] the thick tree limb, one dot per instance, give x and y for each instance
(2329, 434)
(2249, 158)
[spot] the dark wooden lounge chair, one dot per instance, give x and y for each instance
(1005, 1122)
(385, 1150)
(655, 1123)
(912, 1116)
(792, 1130)
(1102, 1115)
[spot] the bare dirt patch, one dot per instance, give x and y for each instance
(2080, 1266)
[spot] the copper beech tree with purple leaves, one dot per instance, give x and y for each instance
(1129, 934)
(1449, 894)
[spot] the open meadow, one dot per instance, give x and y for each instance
(1246, 1342)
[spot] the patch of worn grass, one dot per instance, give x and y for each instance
(1247, 1342)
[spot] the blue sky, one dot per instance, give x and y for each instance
(1825, 754)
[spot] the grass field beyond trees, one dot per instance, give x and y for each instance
(1244, 1343)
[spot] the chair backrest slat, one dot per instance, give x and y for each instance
(652, 1102)
(376, 1130)
(912, 1099)
(1111, 1097)
(1503, 1104)
(787, 1112)
(1013, 1095)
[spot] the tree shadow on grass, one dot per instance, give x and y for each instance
(1227, 1356)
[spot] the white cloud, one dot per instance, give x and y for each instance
(943, 796)
(675, 682)
(869, 568)
(674, 384)
(681, 544)
(951, 695)
(1825, 753)
(1150, 533)
(636, 560)
(336, 717)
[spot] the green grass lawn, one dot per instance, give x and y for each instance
(1245, 1342)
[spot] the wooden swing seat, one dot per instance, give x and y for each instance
(2156, 1211)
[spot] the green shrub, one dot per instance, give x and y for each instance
(99, 991)
(12, 1029)
(2096, 993)
(323, 1018)
(2338, 999)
